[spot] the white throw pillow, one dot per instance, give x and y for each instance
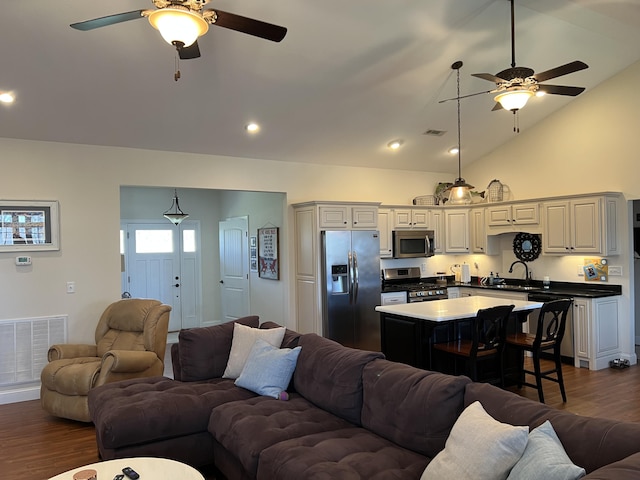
(545, 458)
(243, 339)
(478, 448)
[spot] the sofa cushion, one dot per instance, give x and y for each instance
(479, 447)
(347, 454)
(243, 339)
(544, 458)
(150, 409)
(268, 369)
(246, 428)
(409, 406)
(330, 375)
(609, 440)
(202, 353)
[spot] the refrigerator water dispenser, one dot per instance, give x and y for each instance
(339, 280)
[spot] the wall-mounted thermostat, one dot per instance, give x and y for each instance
(23, 261)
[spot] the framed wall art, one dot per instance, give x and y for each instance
(268, 262)
(28, 225)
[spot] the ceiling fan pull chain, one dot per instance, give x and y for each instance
(176, 75)
(516, 122)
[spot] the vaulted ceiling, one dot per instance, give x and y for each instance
(349, 77)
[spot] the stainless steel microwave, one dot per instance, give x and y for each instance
(413, 243)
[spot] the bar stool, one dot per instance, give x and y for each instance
(548, 336)
(486, 342)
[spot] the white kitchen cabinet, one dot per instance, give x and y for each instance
(456, 236)
(386, 232)
(514, 217)
(410, 218)
(437, 225)
(348, 217)
(596, 332)
(582, 225)
(307, 269)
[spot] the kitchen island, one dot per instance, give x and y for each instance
(408, 331)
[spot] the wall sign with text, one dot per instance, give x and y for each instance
(268, 264)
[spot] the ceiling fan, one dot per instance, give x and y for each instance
(515, 85)
(181, 22)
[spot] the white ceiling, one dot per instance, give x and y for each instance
(350, 76)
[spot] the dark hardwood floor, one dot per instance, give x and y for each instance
(37, 446)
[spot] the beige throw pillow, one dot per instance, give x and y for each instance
(478, 448)
(243, 339)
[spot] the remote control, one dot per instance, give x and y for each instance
(130, 473)
(118, 477)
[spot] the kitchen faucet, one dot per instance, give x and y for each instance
(526, 270)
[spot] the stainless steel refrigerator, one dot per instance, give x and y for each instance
(351, 287)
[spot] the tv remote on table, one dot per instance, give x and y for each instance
(130, 473)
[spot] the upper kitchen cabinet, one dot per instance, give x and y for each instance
(581, 225)
(480, 242)
(385, 220)
(457, 230)
(348, 216)
(515, 217)
(410, 218)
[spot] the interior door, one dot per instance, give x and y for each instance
(162, 262)
(234, 267)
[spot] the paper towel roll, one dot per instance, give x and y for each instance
(465, 273)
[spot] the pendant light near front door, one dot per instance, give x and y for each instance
(175, 215)
(460, 191)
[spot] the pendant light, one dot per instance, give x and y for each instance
(175, 215)
(460, 191)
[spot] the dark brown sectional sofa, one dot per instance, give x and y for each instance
(351, 415)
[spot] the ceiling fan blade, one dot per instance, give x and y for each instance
(250, 26)
(497, 107)
(489, 77)
(561, 70)
(464, 96)
(108, 20)
(187, 53)
(562, 90)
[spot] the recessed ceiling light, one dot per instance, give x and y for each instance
(6, 97)
(395, 144)
(252, 127)
(453, 150)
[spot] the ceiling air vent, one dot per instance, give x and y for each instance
(435, 133)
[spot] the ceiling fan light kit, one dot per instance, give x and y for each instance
(514, 99)
(178, 25)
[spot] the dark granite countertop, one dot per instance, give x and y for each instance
(572, 289)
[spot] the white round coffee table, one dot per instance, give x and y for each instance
(148, 468)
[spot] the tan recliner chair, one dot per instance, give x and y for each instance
(131, 339)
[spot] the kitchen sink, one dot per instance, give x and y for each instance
(516, 287)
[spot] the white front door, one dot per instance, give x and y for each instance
(234, 267)
(163, 262)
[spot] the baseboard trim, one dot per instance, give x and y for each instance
(23, 394)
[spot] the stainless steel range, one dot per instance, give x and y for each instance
(408, 280)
